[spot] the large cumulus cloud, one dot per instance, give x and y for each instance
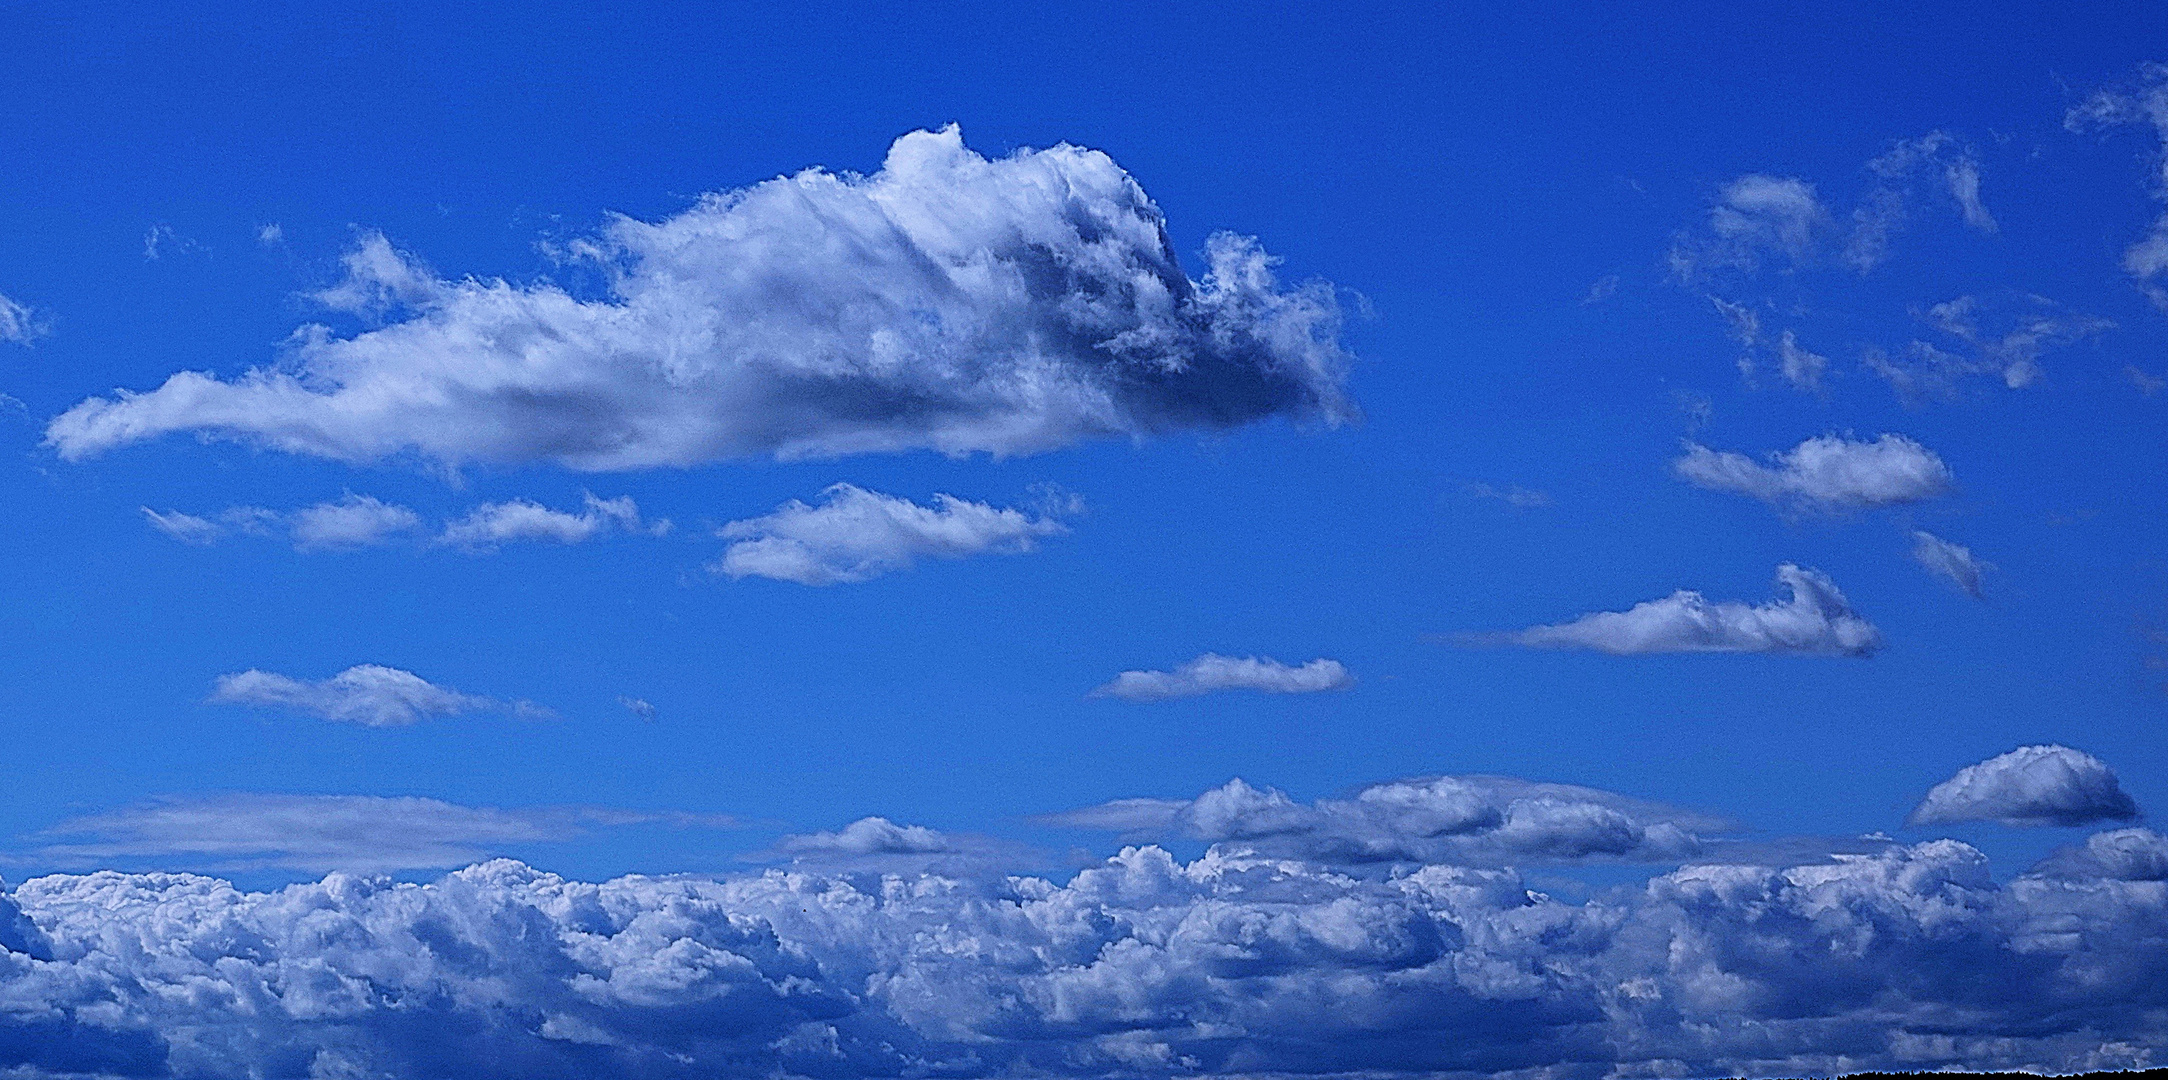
(2030, 786)
(1141, 965)
(947, 302)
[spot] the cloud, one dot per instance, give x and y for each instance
(1512, 495)
(1826, 473)
(871, 836)
(270, 234)
(2142, 102)
(1229, 964)
(856, 535)
(1601, 290)
(2035, 325)
(354, 521)
(638, 707)
(492, 524)
(1211, 673)
(1954, 562)
(186, 528)
(17, 324)
(2115, 855)
(1945, 162)
(1801, 368)
(369, 694)
(318, 833)
(1754, 217)
(2029, 786)
(2146, 382)
(1816, 621)
(946, 302)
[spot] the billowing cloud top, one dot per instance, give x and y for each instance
(1828, 472)
(946, 302)
(2031, 785)
(1816, 621)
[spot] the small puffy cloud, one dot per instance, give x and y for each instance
(1801, 368)
(270, 234)
(1601, 290)
(1754, 217)
(186, 528)
(492, 524)
(2029, 786)
(1211, 673)
(353, 521)
(2115, 855)
(948, 302)
(871, 836)
(1816, 621)
(638, 707)
(1954, 563)
(369, 694)
(855, 535)
(1824, 473)
(355, 833)
(16, 324)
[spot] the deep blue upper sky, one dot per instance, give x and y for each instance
(1468, 180)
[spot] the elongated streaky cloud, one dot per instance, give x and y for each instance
(356, 833)
(1815, 621)
(369, 694)
(1212, 672)
(186, 528)
(1954, 563)
(354, 521)
(2029, 786)
(1824, 473)
(492, 524)
(946, 302)
(1754, 217)
(856, 535)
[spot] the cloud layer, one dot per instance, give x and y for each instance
(369, 694)
(1140, 965)
(946, 302)
(1816, 621)
(1824, 473)
(1211, 673)
(2029, 786)
(856, 535)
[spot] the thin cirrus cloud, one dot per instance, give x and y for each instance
(2030, 786)
(1816, 620)
(1954, 563)
(362, 521)
(1212, 673)
(16, 323)
(947, 302)
(853, 535)
(368, 694)
(2139, 102)
(1827, 473)
(319, 833)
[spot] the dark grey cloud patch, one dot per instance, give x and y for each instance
(2029, 786)
(947, 302)
(1816, 620)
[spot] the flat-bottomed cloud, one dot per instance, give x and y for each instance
(854, 535)
(1211, 673)
(2029, 786)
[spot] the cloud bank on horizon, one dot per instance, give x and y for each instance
(947, 302)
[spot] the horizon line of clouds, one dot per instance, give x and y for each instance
(1212, 673)
(946, 302)
(362, 521)
(371, 695)
(1815, 620)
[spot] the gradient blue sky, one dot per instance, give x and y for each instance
(1468, 179)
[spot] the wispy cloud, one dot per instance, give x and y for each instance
(492, 524)
(1952, 562)
(854, 535)
(1825, 473)
(1513, 495)
(1815, 621)
(360, 521)
(17, 324)
(367, 694)
(2140, 102)
(1212, 673)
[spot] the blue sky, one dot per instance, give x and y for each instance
(1514, 235)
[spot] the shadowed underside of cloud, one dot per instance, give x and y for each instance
(1212, 672)
(369, 694)
(1825, 473)
(856, 535)
(1139, 966)
(1816, 621)
(946, 302)
(2029, 786)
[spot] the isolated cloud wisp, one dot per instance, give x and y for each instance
(1211, 673)
(855, 535)
(1824, 473)
(1954, 563)
(492, 524)
(1816, 621)
(946, 302)
(2141, 102)
(2029, 786)
(16, 324)
(369, 694)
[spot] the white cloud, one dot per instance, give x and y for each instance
(2029, 786)
(856, 535)
(1824, 473)
(1601, 290)
(1138, 965)
(2141, 102)
(1945, 162)
(1211, 673)
(2035, 325)
(1754, 217)
(2147, 383)
(16, 323)
(186, 528)
(1815, 621)
(354, 521)
(2115, 855)
(638, 707)
(492, 524)
(270, 234)
(1954, 562)
(946, 302)
(871, 836)
(1801, 368)
(368, 694)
